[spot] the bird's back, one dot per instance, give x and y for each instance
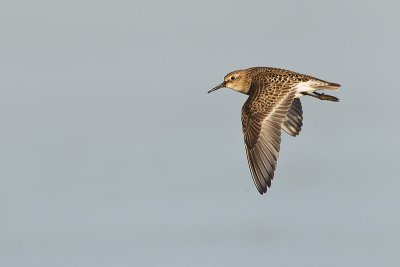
(286, 77)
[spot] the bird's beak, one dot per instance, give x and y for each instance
(221, 85)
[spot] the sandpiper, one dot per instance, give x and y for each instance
(273, 104)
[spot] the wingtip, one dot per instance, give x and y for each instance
(263, 190)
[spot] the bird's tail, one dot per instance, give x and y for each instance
(330, 86)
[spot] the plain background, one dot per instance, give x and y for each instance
(112, 153)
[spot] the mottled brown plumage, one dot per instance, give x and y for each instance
(273, 104)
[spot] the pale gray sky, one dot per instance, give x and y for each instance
(112, 153)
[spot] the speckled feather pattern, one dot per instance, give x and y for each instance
(273, 104)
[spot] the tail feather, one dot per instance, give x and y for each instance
(331, 86)
(334, 85)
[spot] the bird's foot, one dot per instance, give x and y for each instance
(323, 96)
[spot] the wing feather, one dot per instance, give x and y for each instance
(294, 118)
(263, 115)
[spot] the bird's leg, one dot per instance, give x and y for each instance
(322, 96)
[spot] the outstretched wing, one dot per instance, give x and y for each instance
(262, 117)
(294, 118)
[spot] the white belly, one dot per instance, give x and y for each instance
(304, 87)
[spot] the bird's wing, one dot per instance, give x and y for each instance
(262, 117)
(294, 118)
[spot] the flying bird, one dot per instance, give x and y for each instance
(273, 104)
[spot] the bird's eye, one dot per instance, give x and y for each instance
(233, 78)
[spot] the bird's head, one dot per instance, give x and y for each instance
(238, 80)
